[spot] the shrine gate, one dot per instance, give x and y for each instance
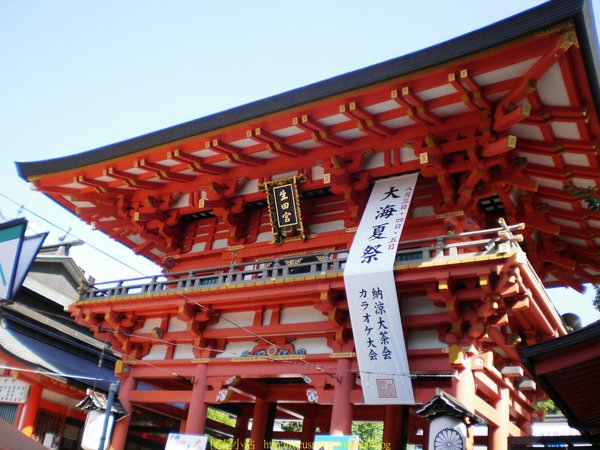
(252, 213)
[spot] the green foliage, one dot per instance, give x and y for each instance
(220, 416)
(548, 406)
(370, 433)
(291, 426)
(589, 195)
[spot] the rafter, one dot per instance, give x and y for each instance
(513, 178)
(319, 133)
(504, 120)
(101, 211)
(559, 47)
(195, 163)
(548, 114)
(555, 173)
(232, 153)
(472, 96)
(109, 225)
(414, 107)
(147, 217)
(274, 144)
(131, 179)
(73, 193)
(502, 145)
(101, 187)
(163, 172)
(364, 120)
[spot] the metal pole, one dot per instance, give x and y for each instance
(111, 397)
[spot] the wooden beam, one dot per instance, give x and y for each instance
(274, 144)
(131, 179)
(552, 53)
(195, 163)
(232, 153)
(163, 172)
(319, 133)
(101, 187)
(499, 147)
(364, 120)
(504, 120)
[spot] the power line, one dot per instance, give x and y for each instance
(185, 297)
(54, 374)
(68, 232)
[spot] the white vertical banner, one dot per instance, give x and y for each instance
(372, 297)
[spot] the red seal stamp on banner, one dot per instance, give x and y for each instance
(386, 388)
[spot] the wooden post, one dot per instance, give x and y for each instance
(119, 436)
(196, 418)
(260, 420)
(393, 426)
(241, 429)
(498, 433)
(308, 432)
(341, 412)
(31, 409)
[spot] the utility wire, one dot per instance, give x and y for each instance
(234, 354)
(158, 340)
(55, 374)
(221, 317)
(68, 232)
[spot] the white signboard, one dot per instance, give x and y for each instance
(29, 250)
(92, 432)
(186, 442)
(13, 391)
(371, 293)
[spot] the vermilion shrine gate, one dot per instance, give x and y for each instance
(251, 315)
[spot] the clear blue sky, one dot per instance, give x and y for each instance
(80, 75)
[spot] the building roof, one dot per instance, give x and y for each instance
(568, 368)
(443, 404)
(48, 356)
(38, 332)
(543, 16)
(498, 122)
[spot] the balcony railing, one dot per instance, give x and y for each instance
(440, 248)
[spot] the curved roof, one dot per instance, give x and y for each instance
(568, 368)
(543, 16)
(501, 120)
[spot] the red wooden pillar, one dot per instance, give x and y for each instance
(241, 430)
(425, 439)
(341, 412)
(308, 432)
(464, 386)
(323, 427)
(498, 433)
(464, 389)
(393, 429)
(31, 409)
(119, 436)
(196, 418)
(260, 421)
